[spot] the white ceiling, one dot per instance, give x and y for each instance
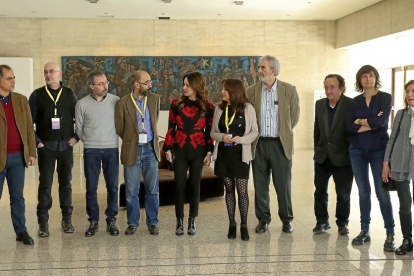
(185, 9)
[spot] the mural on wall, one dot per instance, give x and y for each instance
(166, 73)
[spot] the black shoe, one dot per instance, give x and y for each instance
(232, 231)
(244, 232)
(343, 230)
(25, 238)
(180, 227)
(262, 227)
(389, 244)
(43, 230)
(321, 228)
(191, 226)
(153, 229)
(287, 227)
(92, 229)
(67, 226)
(363, 237)
(407, 246)
(112, 228)
(130, 230)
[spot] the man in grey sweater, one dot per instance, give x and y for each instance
(95, 126)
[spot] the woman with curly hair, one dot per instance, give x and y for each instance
(188, 139)
(234, 129)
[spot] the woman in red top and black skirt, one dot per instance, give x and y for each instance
(188, 138)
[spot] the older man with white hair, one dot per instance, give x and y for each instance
(277, 110)
(53, 112)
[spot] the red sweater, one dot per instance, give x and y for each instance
(14, 141)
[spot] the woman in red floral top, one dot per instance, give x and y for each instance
(188, 138)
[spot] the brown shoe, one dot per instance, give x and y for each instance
(153, 229)
(130, 230)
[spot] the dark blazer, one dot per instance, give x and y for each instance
(332, 143)
(23, 118)
(126, 124)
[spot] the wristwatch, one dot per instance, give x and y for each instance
(360, 122)
(209, 152)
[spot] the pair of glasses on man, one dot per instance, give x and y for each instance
(102, 83)
(145, 83)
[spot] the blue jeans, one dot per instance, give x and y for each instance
(147, 160)
(14, 171)
(109, 159)
(360, 159)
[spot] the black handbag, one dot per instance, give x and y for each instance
(391, 185)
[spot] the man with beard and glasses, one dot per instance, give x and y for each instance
(136, 117)
(53, 113)
(95, 126)
(277, 110)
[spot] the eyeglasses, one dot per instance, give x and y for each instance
(145, 83)
(102, 83)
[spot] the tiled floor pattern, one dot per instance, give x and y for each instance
(207, 253)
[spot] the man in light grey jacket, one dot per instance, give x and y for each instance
(95, 126)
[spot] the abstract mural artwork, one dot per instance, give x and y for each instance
(166, 73)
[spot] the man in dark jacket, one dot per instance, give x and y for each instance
(53, 112)
(331, 155)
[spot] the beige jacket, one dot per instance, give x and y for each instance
(288, 114)
(250, 134)
(126, 124)
(24, 123)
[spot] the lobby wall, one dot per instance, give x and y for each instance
(381, 19)
(306, 49)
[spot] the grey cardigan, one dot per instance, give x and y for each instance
(250, 134)
(402, 159)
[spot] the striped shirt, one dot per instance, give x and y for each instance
(270, 120)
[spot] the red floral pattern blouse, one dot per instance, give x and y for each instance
(188, 134)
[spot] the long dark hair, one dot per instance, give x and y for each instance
(198, 83)
(237, 95)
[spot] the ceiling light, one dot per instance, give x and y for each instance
(167, 1)
(93, 1)
(105, 16)
(238, 3)
(164, 18)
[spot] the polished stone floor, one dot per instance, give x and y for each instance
(207, 253)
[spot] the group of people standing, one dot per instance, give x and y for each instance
(350, 136)
(252, 126)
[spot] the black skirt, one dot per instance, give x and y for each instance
(229, 162)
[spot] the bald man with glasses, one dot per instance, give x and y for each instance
(53, 112)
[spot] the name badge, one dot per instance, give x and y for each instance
(55, 123)
(143, 138)
(231, 144)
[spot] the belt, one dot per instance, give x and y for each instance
(150, 143)
(269, 138)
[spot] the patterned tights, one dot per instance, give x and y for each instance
(241, 184)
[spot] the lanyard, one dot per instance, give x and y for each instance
(139, 110)
(57, 98)
(227, 118)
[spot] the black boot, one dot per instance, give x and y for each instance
(232, 231)
(191, 226)
(180, 227)
(244, 232)
(407, 246)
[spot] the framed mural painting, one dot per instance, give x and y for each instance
(166, 73)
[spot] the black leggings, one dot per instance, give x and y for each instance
(195, 167)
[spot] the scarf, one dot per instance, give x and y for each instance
(412, 126)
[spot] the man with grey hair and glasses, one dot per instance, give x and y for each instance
(95, 126)
(277, 110)
(53, 113)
